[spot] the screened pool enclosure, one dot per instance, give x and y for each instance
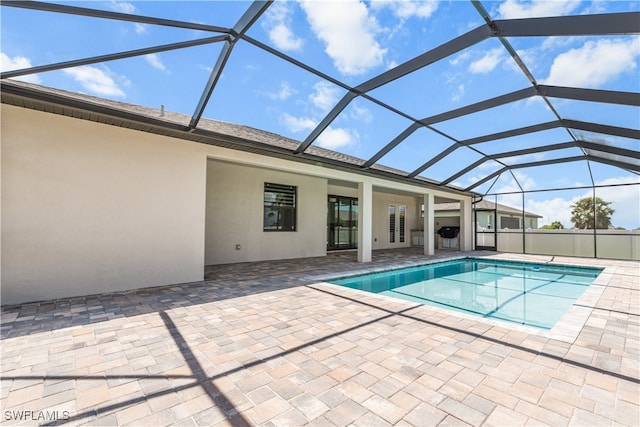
(531, 106)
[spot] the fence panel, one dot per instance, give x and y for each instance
(560, 242)
(618, 244)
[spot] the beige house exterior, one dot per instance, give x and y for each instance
(100, 196)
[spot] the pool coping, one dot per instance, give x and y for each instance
(566, 329)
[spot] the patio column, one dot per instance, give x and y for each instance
(429, 233)
(365, 221)
(466, 230)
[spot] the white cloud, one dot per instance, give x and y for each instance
(557, 42)
(155, 61)
(556, 209)
(297, 124)
(595, 63)
(512, 9)
(525, 181)
(457, 93)
(18, 63)
(528, 56)
(460, 58)
(596, 6)
(506, 184)
(325, 95)
(284, 39)
(408, 9)
(96, 80)
(331, 138)
(392, 64)
(140, 28)
(456, 86)
(360, 113)
(322, 99)
(283, 93)
(129, 8)
(334, 138)
(488, 62)
(277, 22)
(349, 34)
(122, 7)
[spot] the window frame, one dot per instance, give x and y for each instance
(285, 210)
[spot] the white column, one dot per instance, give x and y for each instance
(466, 225)
(429, 233)
(365, 221)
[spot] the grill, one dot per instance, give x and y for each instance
(449, 232)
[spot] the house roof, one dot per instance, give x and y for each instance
(485, 204)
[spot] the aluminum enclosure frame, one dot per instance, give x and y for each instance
(579, 25)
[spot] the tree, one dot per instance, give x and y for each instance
(555, 225)
(582, 213)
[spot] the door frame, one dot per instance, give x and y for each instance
(353, 229)
(484, 232)
(399, 232)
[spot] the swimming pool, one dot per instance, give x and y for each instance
(529, 294)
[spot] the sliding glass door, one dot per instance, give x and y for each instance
(342, 223)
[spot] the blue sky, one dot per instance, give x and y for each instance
(353, 41)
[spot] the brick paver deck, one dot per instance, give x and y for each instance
(269, 344)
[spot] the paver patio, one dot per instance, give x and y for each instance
(269, 344)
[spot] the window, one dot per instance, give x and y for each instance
(510, 223)
(279, 207)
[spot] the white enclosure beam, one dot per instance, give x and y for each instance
(365, 221)
(466, 230)
(429, 225)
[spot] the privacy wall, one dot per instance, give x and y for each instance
(89, 208)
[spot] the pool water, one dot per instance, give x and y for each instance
(529, 294)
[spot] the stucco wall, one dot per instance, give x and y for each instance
(381, 202)
(235, 215)
(89, 208)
